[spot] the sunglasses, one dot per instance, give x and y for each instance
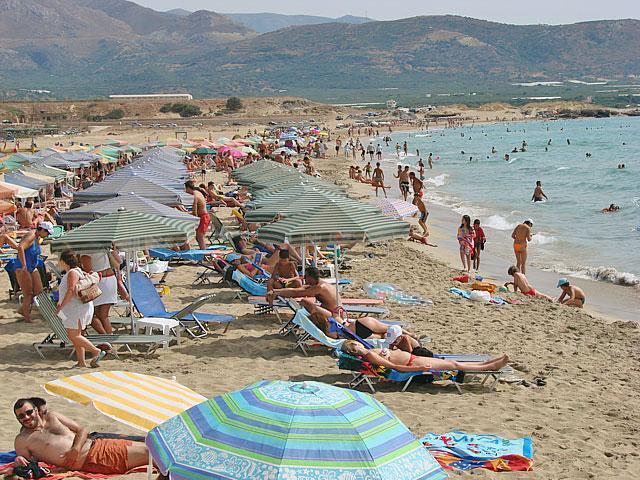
(22, 416)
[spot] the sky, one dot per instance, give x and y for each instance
(505, 11)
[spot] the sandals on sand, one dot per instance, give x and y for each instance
(95, 363)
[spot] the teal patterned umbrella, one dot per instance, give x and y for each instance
(276, 430)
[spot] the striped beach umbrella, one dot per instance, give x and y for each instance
(395, 208)
(112, 187)
(304, 203)
(290, 431)
(128, 230)
(333, 222)
(140, 401)
(129, 201)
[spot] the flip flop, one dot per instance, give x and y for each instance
(95, 363)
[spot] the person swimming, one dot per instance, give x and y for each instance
(538, 194)
(611, 209)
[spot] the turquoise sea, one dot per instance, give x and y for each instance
(572, 235)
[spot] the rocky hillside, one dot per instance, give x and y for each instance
(98, 47)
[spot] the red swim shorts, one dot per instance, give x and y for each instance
(107, 457)
(203, 226)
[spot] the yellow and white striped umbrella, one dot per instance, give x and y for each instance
(140, 401)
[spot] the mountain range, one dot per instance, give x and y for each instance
(86, 48)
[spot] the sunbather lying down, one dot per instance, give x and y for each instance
(365, 327)
(402, 361)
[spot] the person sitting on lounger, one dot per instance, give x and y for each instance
(365, 327)
(285, 273)
(313, 287)
(402, 361)
(521, 283)
(244, 265)
(399, 339)
(52, 438)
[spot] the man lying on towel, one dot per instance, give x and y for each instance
(314, 287)
(54, 439)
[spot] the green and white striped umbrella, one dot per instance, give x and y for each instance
(291, 192)
(333, 222)
(128, 230)
(113, 186)
(305, 203)
(129, 201)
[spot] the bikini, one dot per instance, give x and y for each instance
(385, 353)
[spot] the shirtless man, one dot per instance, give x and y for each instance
(199, 210)
(521, 236)
(538, 194)
(403, 178)
(422, 221)
(314, 287)
(575, 296)
(285, 273)
(417, 186)
(378, 179)
(25, 216)
(57, 440)
(521, 283)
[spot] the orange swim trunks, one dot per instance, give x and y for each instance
(519, 247)
(203, 226)
(107, 457)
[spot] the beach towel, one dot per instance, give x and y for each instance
(57, 473)
(463, 293)
(463, 451)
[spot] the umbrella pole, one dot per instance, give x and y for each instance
(303, 256)
(335, 266)
(315, 254)
(150, 467)
(134, 330)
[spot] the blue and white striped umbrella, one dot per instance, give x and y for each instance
(276, 430)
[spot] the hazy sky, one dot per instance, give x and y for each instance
(509, 11)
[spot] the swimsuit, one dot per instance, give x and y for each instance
(412, 357)
(362, 330)
(531, 293)
(519, 247)
(31, 256)
(404, 187)
(203, 226)
(107, 457)
(423, 216)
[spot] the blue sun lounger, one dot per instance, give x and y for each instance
(166, 254)
(148, 302)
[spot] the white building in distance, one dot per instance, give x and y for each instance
(153, 96)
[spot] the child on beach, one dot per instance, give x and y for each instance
(480, 240)
(571, 296)
(367, 170)
(521, 283)
(466, 234)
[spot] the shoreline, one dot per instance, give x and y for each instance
(606, 300)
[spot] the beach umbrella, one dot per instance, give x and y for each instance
(140, 401)
(290, 431)
(395, 208)
(17, 178)
(121, 184)
(237, 154)
(250, 150)
(310, 201)
(19, 191)
(204, 151)
(292, 192)
(8, 191)
(129, 201)
(7, 208)
(285, 151)
(128, 230)
(334, 222)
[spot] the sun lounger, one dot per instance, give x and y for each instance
(166, 254)
(249, 285)
(363, 372)
(148, 302)
(58, 339)
(302, 321)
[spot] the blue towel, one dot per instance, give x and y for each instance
(463, 293)
(7, 457)
(470, 446)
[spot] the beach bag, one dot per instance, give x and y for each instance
(484, 286)
(480, 296)
(87, 287)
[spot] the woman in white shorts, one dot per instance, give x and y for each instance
(74, 314)
(99, 262)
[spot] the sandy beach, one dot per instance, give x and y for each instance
(585, 421)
